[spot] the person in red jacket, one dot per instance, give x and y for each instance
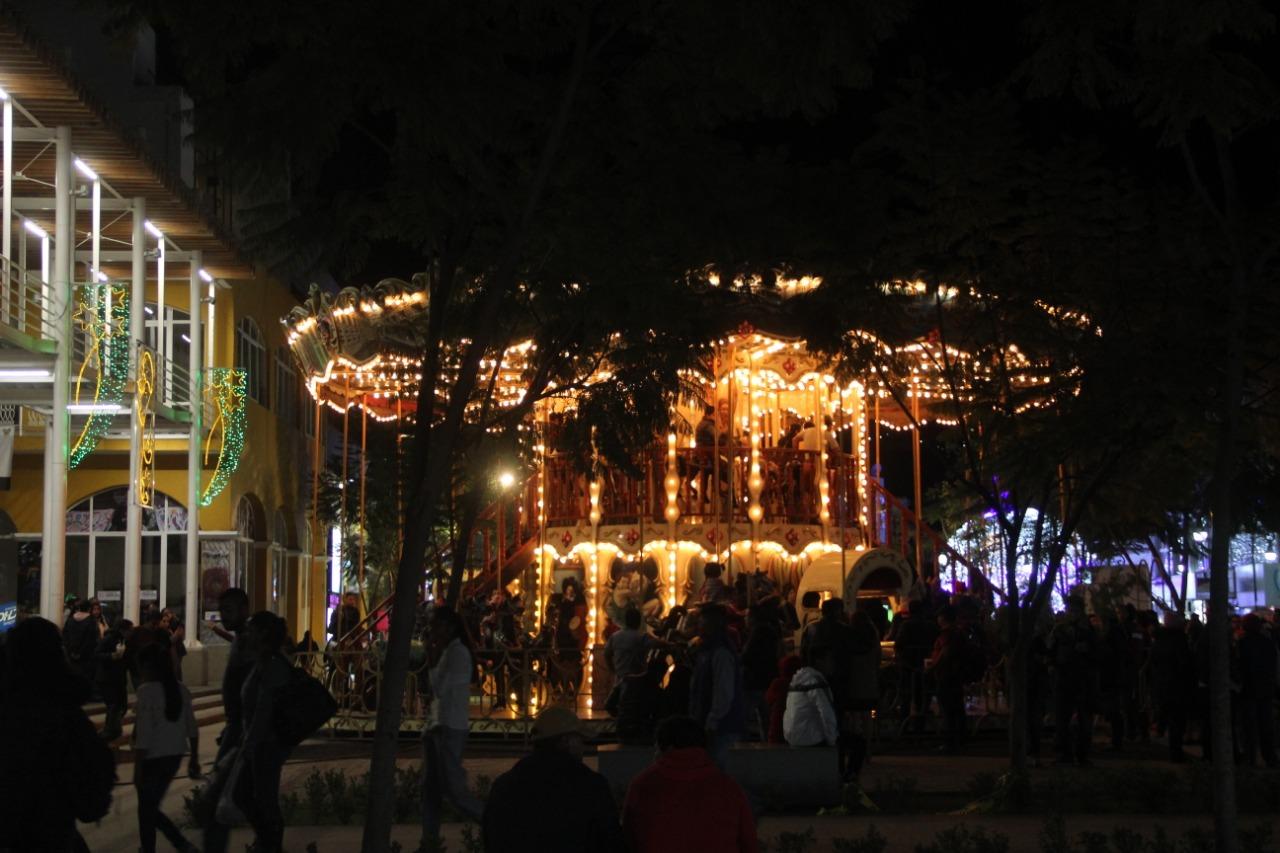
(776, 695)
(684, 802)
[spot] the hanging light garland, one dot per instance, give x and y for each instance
(226, 389)
(102, 317)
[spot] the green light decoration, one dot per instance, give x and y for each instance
(102, 317)
(225, 388)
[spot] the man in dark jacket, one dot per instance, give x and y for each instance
(112, 677)
(345, 618)
(716, 698)
(1173, 680)
(912, 645)
(80, 639)
(550, 800)
(946, 664)
(1074, 649)
(1257, 692)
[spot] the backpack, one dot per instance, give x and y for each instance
(303, 707)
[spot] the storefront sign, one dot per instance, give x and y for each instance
(149, 595)
(105, 595)
(8, 615)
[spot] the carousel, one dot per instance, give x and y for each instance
(770, 469)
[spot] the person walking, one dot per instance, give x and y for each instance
(257, 792)
(715, 691)
(233, 612)
(550, 800)
(684, 802)
(112, 677)
(54, 769)
(1173, 681)
(1257, 692)
(1074, 647)
(912, 644)
(448, 718)
(164, 731)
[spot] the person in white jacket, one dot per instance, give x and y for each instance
(810, 717)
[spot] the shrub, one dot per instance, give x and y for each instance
(792, 842)
(962, 839)
(872, 842)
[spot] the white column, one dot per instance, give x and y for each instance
(56, 451)
(193, 456)
(137, 298)
(7, 247)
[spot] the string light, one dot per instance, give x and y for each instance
(102, 315)
(226, 387)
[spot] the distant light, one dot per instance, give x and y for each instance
(506, 479)
(186, 338)
(148, 309)
(102, 277)
(942, 560)
(83, 168)
(4, 96)
(1270, 556)
(205, 275)
(152, 229)
(35, 229)
(1200, 535)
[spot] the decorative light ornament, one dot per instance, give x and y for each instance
(102, 317)
(226, 390)
(144, 397)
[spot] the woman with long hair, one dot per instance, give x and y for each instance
(163, 732)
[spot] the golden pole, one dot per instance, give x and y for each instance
(915, 465)
(315, 507)
(364, 463)
(346, 424)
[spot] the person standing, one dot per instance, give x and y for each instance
(1073, 645)
(54, 769)
(113, 677)
(550, 800)
(257, 792)
(946, 663)
(715, 691)
(80, 639)
(345, 618)
(164, 731)
(1173, 681)
(1257, 692)
(760, 655)
(445, 736)
(912, 644)
(684, 802)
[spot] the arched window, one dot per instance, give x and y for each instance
(96, 529)
(279, 562)
(251, 357)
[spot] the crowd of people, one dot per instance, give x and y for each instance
(56, 769)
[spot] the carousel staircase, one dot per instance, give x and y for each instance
(893, 526)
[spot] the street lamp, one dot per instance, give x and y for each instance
(506, 480)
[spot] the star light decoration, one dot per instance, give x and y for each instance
(102, 317)
(226, 390)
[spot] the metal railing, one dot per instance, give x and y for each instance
(25, 302)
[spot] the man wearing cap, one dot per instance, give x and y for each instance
(550, 800)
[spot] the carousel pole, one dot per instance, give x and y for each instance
(364, 466)
(879, 472)
(342, 517)
(755, 482)
(916, 480)
(842, 478)
(715, 444)
(315, 511)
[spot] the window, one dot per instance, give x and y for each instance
(251, 357)
(171, 340)
(288, 394)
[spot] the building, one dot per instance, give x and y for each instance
(123, 300)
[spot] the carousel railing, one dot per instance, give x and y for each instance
(511, 685)
(893, 526)
(712, 483)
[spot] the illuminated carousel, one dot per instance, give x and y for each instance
(770, 468)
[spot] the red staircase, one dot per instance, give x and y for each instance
(893, 526)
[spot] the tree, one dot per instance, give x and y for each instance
(513, 151)
(1199, 80)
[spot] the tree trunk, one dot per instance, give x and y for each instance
(1224, 468)
(1016, 672)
